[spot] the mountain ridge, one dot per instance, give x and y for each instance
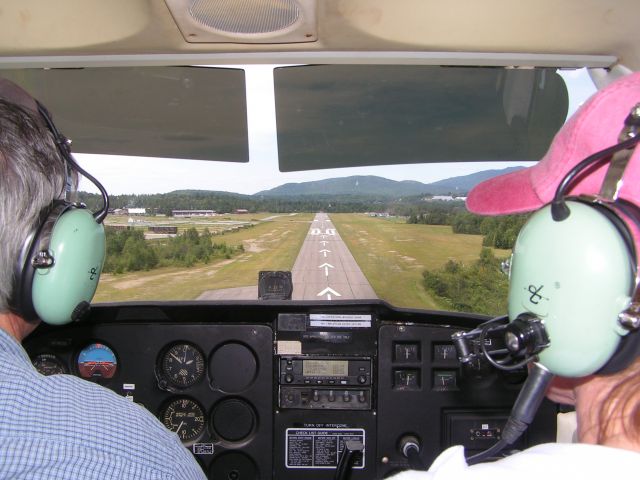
(380, 186)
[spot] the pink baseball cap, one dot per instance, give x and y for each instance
(595, 126)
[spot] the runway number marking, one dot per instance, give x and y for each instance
(318, 231)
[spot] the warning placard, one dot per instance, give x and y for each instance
(339, 320)
(320, 447)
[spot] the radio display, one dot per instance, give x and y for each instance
(325, 368)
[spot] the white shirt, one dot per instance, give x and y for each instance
(566, 461)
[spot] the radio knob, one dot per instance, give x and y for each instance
(346, 397)
(288, 378)
(362, 379)
(332, 397)
(361, 397)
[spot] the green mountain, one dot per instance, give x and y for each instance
(382, 187)
(461, 185)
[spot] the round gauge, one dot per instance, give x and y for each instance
(182, 365)
(48, 364)
(97, 361)
(185, 417)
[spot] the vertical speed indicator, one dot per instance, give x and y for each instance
(182, 365)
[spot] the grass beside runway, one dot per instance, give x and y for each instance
(268, 245)
(393, 255)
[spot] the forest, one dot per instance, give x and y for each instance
(128, 251)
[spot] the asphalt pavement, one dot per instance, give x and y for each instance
(325, 268)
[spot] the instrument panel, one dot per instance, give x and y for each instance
(261, 390)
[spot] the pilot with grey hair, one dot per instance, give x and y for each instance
(59, 426)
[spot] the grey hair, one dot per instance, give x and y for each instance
(32, 175)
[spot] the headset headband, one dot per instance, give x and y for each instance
(64, 147)
(622, 151)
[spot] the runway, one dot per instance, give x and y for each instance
(325, 268)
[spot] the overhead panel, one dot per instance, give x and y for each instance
(195, 113)
(332, 116)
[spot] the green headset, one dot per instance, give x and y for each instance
(574, 291)
(59, 265)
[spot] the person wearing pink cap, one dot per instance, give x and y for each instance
(578, 253)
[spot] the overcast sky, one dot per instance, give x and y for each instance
(123, 175)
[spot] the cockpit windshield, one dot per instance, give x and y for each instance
(352, 178)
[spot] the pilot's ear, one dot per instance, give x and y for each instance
(562, 389)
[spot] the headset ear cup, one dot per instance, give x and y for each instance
(60, 293)
(568, 274)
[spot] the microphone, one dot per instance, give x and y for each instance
(522, 413)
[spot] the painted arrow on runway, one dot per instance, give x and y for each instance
(326, 267)
(325, 251)
(328, 292)
(323, 242)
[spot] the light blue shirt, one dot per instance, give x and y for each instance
(62, 427)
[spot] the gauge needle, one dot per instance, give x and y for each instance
(178, 359)
(189, 362)
(179, 426)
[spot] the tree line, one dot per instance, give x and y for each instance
(224, 202)
(498, 232)
(128, 251)
(165, 203)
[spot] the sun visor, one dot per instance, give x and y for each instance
(332, 116)
(195, 113)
